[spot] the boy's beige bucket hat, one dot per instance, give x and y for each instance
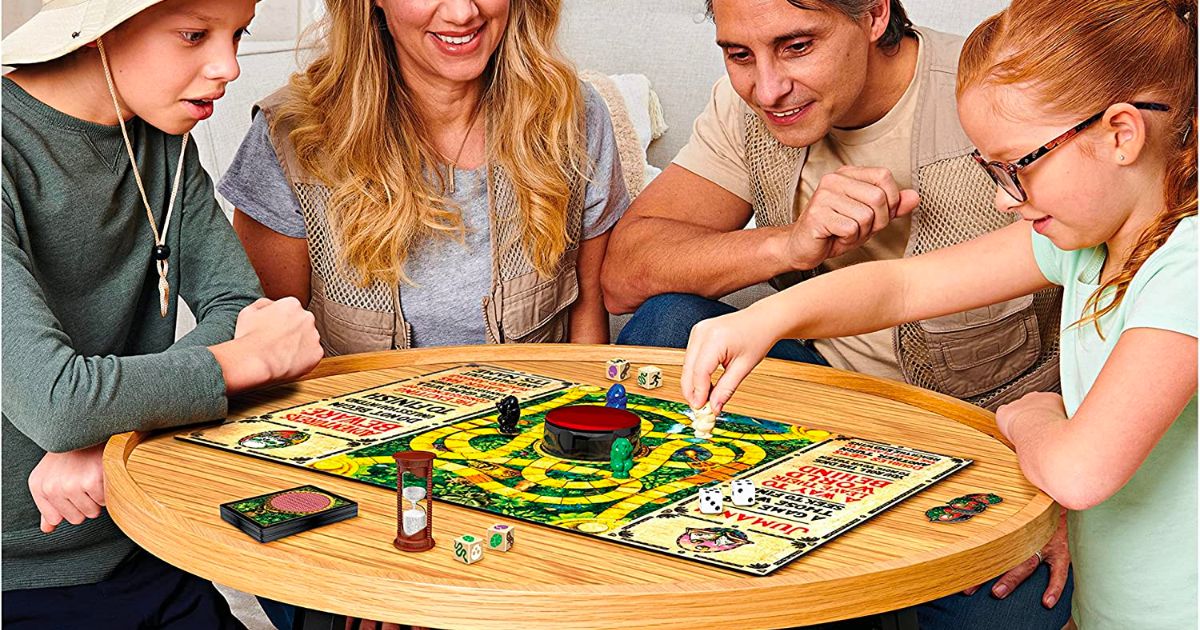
(61, 26)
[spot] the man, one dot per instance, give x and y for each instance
(836, 131)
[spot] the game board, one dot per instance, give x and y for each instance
(811, 486)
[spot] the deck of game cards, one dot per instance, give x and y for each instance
(272, 516)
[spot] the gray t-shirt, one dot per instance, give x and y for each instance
(451, 279)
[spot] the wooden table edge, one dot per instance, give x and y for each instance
(1019, 535)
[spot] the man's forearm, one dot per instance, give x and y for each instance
(650, 256)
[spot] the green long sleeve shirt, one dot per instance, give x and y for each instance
(86, 354)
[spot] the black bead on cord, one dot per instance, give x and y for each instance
(161, 252)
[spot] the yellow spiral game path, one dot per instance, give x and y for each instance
(492, 469)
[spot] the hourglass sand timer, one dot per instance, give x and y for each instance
(414, 500)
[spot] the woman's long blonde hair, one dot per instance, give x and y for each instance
(356, 128)
(1081, 56)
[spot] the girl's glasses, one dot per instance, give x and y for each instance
(1005, 173)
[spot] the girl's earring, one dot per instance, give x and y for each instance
(1121, 157)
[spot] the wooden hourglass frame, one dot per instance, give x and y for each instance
(414, 500)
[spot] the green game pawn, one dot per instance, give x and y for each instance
(621, 458)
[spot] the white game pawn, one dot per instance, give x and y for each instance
(742, 492)
(703, 421)
(710, 500)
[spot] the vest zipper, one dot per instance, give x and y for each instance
(398, 315)
(487, 329)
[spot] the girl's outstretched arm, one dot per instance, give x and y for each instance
(1143, 387)
(863, 298)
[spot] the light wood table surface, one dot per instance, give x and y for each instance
(164, 494)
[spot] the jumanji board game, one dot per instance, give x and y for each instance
(811, 485)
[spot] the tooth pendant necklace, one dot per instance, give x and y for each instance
(463, 144)
(161, 252)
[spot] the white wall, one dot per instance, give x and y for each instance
(15, 12)
(953, 16)
(284, 19)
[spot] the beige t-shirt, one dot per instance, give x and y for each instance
(717, 152)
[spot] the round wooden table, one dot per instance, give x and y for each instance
(164, 494)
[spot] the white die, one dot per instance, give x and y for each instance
(710, 500)
(649, 377)
(743, 492)
(617, 369)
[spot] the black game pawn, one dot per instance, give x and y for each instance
(509, 413)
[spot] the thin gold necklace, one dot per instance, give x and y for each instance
(160, 252)
(463, 145)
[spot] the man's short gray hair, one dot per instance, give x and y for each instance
(898, 26)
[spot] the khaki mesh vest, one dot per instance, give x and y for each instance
(987, 356)
(521, 306)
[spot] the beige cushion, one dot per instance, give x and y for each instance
(668, 41)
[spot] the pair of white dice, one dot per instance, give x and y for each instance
(742, 491)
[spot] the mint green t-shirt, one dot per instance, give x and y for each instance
(1135, 553)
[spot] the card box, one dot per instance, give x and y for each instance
(274, 515)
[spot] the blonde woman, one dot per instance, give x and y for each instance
(438, 175)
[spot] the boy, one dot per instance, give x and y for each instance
(108, 221)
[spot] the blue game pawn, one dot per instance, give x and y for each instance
(616, 396)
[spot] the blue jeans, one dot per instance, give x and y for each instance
(666, 320)
(1021, 609)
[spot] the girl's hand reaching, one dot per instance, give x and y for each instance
(734, 342)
